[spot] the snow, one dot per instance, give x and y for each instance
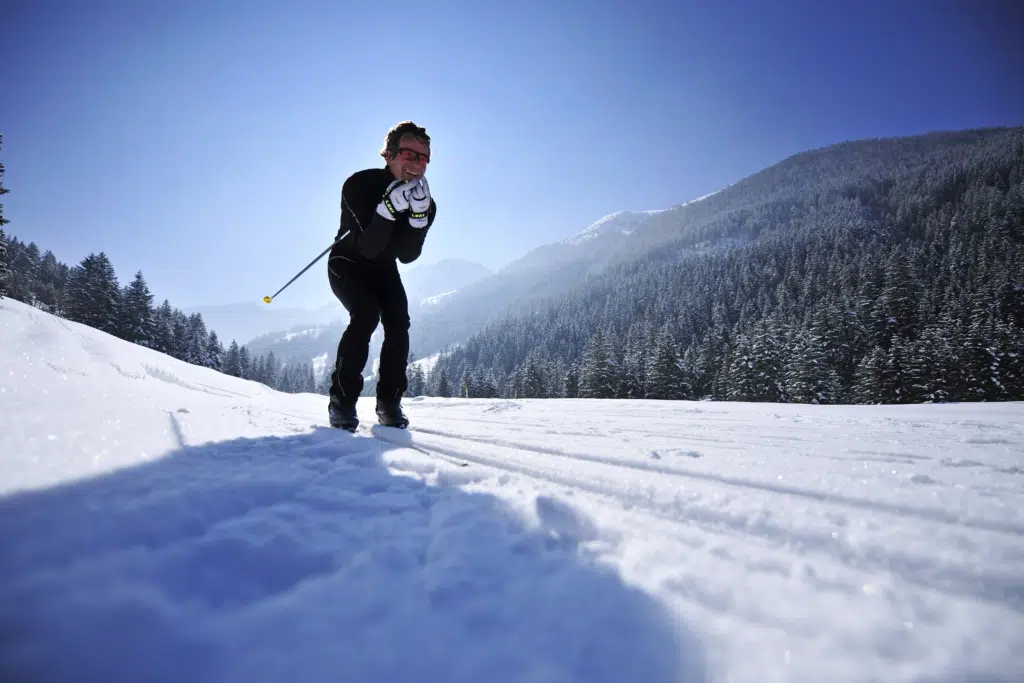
(164, 522)
(438, 298)
(622, 222)
(311, 332)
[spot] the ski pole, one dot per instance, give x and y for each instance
(268, 299)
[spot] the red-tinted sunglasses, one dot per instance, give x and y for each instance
(413, 155)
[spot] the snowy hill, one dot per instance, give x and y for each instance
(164, 522)
(620, 222)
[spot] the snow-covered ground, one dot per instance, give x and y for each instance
(163, 522)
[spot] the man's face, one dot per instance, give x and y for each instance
(411, 159)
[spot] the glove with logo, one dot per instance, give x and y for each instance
(419, 204)
(396, 199)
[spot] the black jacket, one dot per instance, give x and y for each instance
(374, 240)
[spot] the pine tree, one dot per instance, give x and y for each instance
(416, 380)
(663, 375)
(571, 384)
(94, 297)
(245, 364)
(137, 323)
(271, 371)
(163, 328)
(196, 339)
(532, 382)
(232, 360)
(214, 356)
(808, 375)
(444, 389)
(598, 377)
(4, 270)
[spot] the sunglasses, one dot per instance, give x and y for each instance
(412, 155)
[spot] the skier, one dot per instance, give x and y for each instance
(389, 211)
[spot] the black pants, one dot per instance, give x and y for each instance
(371, 295)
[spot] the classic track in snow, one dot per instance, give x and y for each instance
(628, 485)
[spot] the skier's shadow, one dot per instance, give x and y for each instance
(305, 558)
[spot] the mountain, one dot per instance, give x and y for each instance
(620, 222)
(884, 271)
(545, 271)
(245, 321)
(853, 172)
(315, 337)
(428, 281)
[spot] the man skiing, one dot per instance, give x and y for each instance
(388, 212)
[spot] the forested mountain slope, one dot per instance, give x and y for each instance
(874, 271)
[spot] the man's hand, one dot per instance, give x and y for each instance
(419, 203)
(396, 199)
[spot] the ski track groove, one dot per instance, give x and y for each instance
(995, 587)
(832, 498)
(538, 427)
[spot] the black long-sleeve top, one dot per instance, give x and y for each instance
(373, 239)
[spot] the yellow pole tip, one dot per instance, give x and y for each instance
(267, 299)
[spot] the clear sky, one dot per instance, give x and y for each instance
(205, 142)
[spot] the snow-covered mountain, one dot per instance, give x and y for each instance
(424, 281)
(244, 321)
(620, 222)
(545, 271)
(164, 522)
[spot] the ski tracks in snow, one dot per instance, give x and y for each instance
(817, 576)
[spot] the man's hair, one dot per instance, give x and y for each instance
(394, 136)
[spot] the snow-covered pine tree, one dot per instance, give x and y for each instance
(663, 375)
(869, 377)
(180, 328)
(93, 296)
(930, 367)
(272, 370)
(245, 363)
(137, 323)
(809, 378)
(571, 382)
(4, 270)
(900, 294)
(232, 364)
(52, 279)
(196, 339)
(444, 388)
(163, 328)
(214, 352)
(416, 380)
(532, 382)
(638, 348)
(598, 378)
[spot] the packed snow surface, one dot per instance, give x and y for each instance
(164, 522)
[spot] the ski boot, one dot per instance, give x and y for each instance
(389, 413)
(342, 414)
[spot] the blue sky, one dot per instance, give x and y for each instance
(205, 142)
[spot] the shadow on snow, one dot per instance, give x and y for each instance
(304, 558)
